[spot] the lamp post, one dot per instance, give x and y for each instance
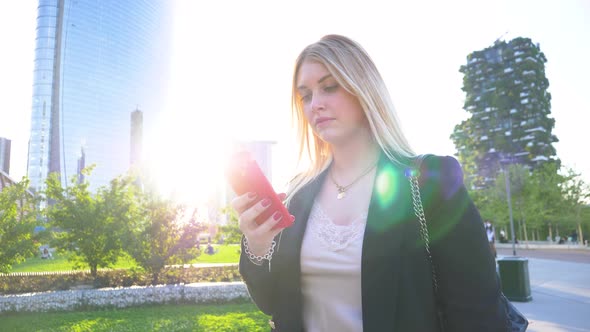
(513, 271)
(509, 199)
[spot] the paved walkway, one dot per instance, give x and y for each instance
(561, 296)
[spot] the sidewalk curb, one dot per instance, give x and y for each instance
(564, 246)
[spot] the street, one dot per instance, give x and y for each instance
(565, 255)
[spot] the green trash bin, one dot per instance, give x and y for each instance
(514, 276)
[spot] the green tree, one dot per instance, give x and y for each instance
(18, 218)
(585, 225)
(545, 198)
(90, 226)
(519, 176)
(231, 230)
(492, 201)
(576, 194)
(163, 234)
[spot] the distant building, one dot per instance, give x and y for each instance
(510, 110)
(5, 180)
(81, 165)
(94, 61)
(136, 142)
(5, 155)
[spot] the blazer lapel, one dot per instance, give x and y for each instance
(382, 246)
(289, 256)
(301, 207)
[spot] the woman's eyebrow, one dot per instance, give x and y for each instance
(303, 87)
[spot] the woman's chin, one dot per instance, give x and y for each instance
(327, 136)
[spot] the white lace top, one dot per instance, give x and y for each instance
(331, 273)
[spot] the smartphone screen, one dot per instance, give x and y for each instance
(244, 175)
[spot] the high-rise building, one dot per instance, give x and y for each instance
(136, 142)
(81, 165)
(510, 110)
(5, 155)
(94, 62)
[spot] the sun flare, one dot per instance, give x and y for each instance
(190, 162)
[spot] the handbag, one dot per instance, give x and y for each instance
(516, 322)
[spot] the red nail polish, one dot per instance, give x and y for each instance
(266, 202)
(277, 216)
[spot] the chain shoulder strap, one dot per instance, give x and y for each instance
(515, 320)
(419, 211)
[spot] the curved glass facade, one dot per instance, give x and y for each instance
(96, 61)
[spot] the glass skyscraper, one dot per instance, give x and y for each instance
(96, 61)
(5, 155)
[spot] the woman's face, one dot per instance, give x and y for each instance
(335, 115)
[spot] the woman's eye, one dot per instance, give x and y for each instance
(306, 98)
(331, 88)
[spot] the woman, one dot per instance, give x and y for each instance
(354, 259)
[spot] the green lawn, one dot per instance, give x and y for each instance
(224, 254)
(226, 317)
(59, 262)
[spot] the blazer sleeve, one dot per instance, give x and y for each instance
(469, 289)
(259, 281)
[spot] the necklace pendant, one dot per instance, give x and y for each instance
(341, 194)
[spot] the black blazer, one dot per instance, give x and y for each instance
(396, 279)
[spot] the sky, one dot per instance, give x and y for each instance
(232, 61)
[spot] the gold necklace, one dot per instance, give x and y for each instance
(342, 189)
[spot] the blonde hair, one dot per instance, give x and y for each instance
(354, 70)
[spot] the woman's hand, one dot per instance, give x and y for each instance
(259, 237)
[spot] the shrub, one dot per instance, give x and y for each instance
(18, 283)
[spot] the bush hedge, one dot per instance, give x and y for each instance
(18, 283)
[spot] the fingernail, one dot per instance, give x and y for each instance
(277, 216)
(266, 202)
(252, 195)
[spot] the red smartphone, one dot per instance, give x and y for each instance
(244, 175)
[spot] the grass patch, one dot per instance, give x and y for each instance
(224, 254)
(229, 253)
(60, 262)
(225, 317)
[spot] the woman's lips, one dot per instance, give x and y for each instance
(322, 120)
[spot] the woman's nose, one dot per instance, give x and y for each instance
(317, 103)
